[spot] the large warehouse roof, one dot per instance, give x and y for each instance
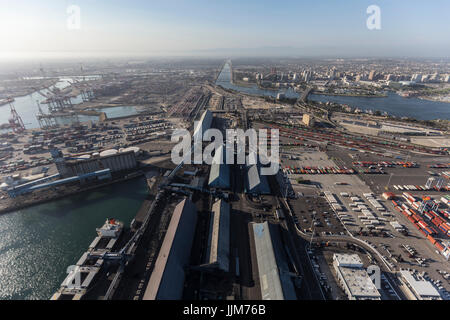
(167, 279)
(218, 250)
(275, 282)
(203, 124)
(219, 175)
(423, 289)
(358, 283)
(348, 260)
(256, 183)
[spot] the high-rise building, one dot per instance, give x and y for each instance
(416, 77)
(390, 77)
(434, 78)
(307, 74)
(332, 74)
(308, 120)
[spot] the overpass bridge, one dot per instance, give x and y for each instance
(305, 94)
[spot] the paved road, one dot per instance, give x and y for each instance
(310, 289)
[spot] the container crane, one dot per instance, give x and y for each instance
(55, 99)
(15, 122)
(45, 121)
(86, 91)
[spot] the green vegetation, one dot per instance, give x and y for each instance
(433, 91)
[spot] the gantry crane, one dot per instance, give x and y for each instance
(15, 122)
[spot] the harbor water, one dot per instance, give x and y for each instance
(393, 104)
(38, 243)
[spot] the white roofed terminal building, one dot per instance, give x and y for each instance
(353, 278)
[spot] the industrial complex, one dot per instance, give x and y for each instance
(357, 211)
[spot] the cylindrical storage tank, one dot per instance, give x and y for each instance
(109, 152)
(136, 150)
(85, 157)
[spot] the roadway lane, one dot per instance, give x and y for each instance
(310, 289)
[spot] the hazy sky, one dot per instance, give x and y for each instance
(225, 27)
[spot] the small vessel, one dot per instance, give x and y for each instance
(6, 101)
(111, 229)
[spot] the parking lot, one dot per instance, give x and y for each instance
(397, 175)
(315, 214)
(391, 243)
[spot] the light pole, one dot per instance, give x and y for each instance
(313, 228)
(389, 181)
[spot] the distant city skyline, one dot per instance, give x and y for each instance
(218, 28)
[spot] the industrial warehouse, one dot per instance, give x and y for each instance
(219, 175)
(354, 278)
(256, 183)
(274, 277)
(218, 251)
(167, 279)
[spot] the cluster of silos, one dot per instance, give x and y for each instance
(113, 159)
(118, 161)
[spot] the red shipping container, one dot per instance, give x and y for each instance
(432, 240)
(423, 224)
(436, 222)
